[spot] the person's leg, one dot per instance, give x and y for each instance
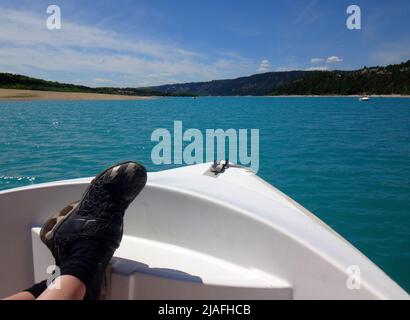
(30, 293)
(70, 288)
(24, 295)
(84, 236)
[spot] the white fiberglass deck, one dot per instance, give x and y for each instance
(146, 269)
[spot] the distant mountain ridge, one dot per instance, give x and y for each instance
(391, 79)
(256, 85)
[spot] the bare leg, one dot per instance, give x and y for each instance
(71, 288)
(24, 295)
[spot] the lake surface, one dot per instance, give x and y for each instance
(346, 161)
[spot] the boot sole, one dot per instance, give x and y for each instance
(52, 225)
(49, 228)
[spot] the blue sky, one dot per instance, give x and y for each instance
(141, 43)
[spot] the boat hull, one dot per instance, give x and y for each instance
(195, 235)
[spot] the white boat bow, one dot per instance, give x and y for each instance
(192, 235)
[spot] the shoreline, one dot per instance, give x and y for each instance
(342, 96)
(28, 95)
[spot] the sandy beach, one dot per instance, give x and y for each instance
(21, 95)
(18, 95)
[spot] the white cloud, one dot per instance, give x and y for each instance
(318, 68)
(333, 59)
(330, 60)
(94, 54)
(102, 80)
(264, 66)
(316, 60)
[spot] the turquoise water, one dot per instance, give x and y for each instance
(348, 162)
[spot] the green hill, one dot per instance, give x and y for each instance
(14, 81)
(392, 79)
(256, 85)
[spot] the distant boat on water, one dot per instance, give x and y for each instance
(364, 98)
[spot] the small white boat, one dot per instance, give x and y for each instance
(197, 234)
(364, 98)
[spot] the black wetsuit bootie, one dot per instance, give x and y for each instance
(84, 235)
